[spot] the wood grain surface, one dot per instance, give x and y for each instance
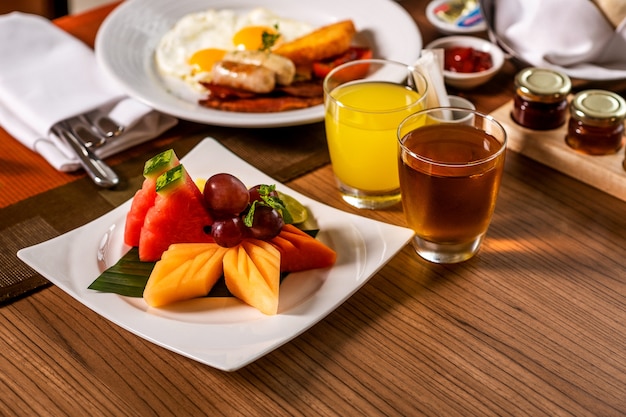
(534, 325)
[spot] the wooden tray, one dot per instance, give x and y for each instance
(548, 147)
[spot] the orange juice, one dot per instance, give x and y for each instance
(361, 125)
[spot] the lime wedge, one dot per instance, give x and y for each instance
(298, 212)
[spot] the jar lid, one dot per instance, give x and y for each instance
(598, 106)
(541, 84)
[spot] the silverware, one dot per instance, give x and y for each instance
(85, 132)
(102, 124)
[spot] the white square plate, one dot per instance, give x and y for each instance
(221, 332)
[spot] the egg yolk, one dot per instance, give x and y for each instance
(203, 60)
(251, 37)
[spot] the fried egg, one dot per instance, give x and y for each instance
(199, 40)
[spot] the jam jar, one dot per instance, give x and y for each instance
(541, 98)
(596, 124)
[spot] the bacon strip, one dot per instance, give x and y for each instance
(299, 95)
(262, 104)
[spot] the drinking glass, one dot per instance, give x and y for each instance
(365, 101)
(450, 174)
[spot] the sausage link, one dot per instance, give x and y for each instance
(243, 76)
(284, 68)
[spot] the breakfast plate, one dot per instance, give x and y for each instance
(126, 42)
(221, 332)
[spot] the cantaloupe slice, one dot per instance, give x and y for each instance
(183, 251)
(252, 274)
(300, 251)
(251, 269)
(185, 271)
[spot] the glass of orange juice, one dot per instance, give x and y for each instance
(365, 101)
(450, 166)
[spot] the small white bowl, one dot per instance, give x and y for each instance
(475, 23)
(469, 80)
(456, 101)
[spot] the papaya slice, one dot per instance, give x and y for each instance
(300, 251)
(185, 271)
(252, 274)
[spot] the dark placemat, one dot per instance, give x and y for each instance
(282, 153)
(16, 277)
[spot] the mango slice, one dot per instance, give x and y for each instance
(252, 274)
(186, 271)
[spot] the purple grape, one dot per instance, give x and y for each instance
(255, 194)
(228, 232)
(225, 195)
(266, 223)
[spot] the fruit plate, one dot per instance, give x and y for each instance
(127, 39)
(221, 332)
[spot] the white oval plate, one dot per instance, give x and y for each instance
(127, 39)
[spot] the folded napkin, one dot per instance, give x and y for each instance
(430, 65)
(574, 36)
(47, 75)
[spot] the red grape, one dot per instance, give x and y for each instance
(266, 222)
(226, 195)
(228, 232)
(255, 194)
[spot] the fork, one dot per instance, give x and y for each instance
(85, 132)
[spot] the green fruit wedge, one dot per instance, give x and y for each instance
(160, 163)
(298, 212)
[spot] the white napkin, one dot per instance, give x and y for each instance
(569, 35)
(430, 64)
(47, 75)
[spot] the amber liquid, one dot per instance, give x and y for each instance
(594, 140)
(451, 203)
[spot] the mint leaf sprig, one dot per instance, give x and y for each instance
(268, 199)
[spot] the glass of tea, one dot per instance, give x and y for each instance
(365, 101)
(449, 174)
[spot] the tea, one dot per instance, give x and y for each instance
(450, 201)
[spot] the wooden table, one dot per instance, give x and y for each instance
(534, 325)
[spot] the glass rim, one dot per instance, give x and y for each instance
(410, 70)
(469, 164)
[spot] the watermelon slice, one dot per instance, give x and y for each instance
(300, 251)
(177, 216)
(145, 196)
